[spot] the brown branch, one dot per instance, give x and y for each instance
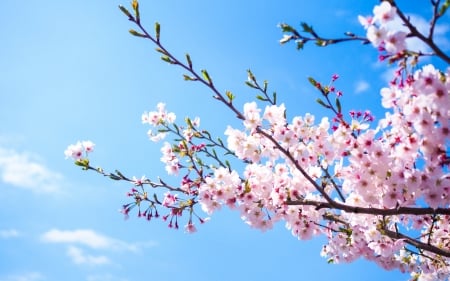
(370, 210)
(416, 243)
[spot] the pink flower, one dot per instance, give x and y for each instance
(140, 181)
(252, 117)
(74, 151)
(365, 21)
(190, 228)
(376, 35)
(395, 41)
(169, 199)
(384, 12)
(88, 146)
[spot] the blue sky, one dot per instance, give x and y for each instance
(70, 71)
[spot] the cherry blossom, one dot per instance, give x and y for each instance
(376, 189)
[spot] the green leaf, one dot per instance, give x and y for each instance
(159, 50)
(274, 95)
(261, 98)
(227, 163)
(322, 103)
(126, 12)
(250, 76)
(121, 175)
(188, 122)
(300, 44)
(286, 27)
(444, 8)
(250, 84)
(338, 105)
(176, 128)
(114, 177)
(167, 59)
(265, 83)
(306, 28)
(312, 81)
(206, 76)
(229, 95)
(135, 5)
(157, 31)
(321, 43)
(189, 78)
(137, 34)
(189, 61)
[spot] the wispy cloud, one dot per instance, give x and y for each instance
(361, 86)
(91, 239)
(22, 170)
(29, 276)
(9, 233)
(79, 257)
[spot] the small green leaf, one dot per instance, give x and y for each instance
(189, 78)
(444, 8)
(159, 50)
(229, 95)
(312, 81)
(188, 122)
(189, 61)
(338, 105)
(265, 83)
(135, 33)
(322, 103)
(126, 12)
(121, 175)
(250, 84)
(157, 31)
(286, 27)
(321, 43)
(206, 76)
(300, 44)
(114, 177)
(167, 59)
(135, 5)
(227, 163)
(261, 98)
(274, 95)
(250, 76)
(84, 162)
(306, 28)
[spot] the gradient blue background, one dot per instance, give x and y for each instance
(70, 71)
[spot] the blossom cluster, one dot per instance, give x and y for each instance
(379, 31)
(398, 163)
(156, 118)
(79, 150)
(335, 177)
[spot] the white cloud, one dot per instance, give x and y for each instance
(91, 239)
(361, 86)
(30, 276)
(22, 170)
(79, 257)
(9, 233)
